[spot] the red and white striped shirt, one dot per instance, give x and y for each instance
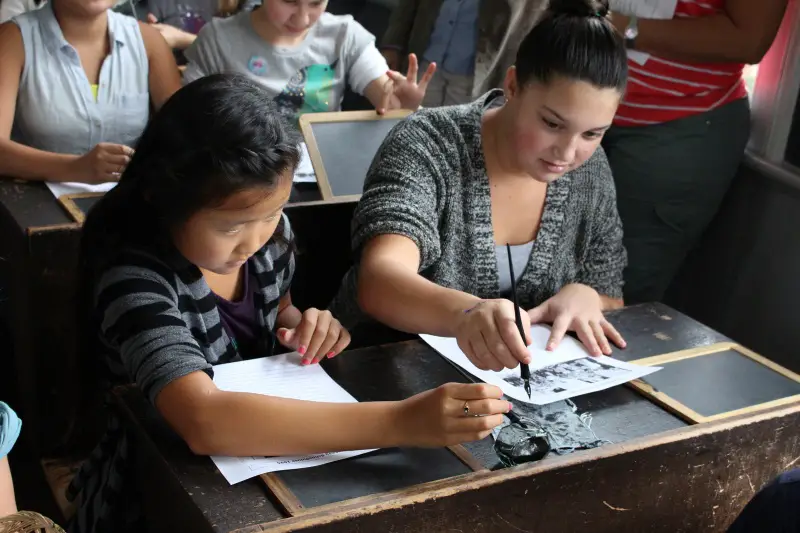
(662, 90)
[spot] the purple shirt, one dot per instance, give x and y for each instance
(239, 318)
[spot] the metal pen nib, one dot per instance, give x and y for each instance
(526, 378)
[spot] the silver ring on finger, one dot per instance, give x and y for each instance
(466, 408)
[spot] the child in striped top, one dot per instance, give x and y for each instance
(187, 263)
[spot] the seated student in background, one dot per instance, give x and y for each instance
(203, 277)
(10, 519)
(76, 85)
(304, 57)
(10, 426)
(451, 186)
(682, 128)
(180, 22)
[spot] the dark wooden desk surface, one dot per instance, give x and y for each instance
(393, 372)
(31, 204)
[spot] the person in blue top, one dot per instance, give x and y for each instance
(10, 426)
(10, 519)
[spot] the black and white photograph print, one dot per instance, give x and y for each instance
(556, 375)
(571, 375)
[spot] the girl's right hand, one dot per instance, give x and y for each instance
(488, 335)
(105, 162)
(438, 417)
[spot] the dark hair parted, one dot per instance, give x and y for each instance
(213, 138)
(576, 40)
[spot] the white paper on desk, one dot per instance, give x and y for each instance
(305, 170)
(646, 9)
(566, 372)
(282, 376)
(61, 188)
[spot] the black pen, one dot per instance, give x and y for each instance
(526, 372)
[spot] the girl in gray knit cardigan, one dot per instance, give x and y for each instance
(451, 186)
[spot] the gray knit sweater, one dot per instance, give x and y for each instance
(428, 182)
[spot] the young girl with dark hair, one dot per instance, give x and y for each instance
(451, 186)
(187, 263)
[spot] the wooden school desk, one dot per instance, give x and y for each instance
(39, 244)
(660, 475)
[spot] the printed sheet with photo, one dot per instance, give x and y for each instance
(563, 373)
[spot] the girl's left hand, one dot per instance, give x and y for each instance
(577, 308)
(317, 335)
(407, 89)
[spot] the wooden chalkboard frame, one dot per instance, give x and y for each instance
(692, 416)
(308, 119)
(291, 505)
(67, 201)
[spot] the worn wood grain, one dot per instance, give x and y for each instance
(686, 480)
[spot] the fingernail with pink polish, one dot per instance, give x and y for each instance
(330, 355)
(510, 406)
(301, 350)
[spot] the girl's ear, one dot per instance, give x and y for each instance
(510, 84)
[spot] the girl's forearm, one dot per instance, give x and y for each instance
(24, 162)
(243, 424)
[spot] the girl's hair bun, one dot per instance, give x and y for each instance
(579, 8)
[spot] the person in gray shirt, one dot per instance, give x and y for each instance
(451, 186)
(304, 57)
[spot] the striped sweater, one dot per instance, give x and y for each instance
(662, 90)
(158, 321)
(428, 182)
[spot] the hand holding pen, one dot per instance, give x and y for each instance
(487, 333)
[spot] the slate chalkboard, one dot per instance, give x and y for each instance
(374, 473)
(719, 382)
(342, 146)
(79, 205)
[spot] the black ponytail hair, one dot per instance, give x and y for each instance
(576, 40)
(216, 136)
